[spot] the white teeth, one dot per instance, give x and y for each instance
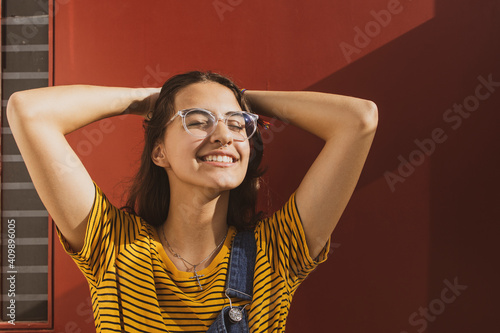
(219, 158)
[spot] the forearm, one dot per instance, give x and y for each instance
(67, 108)
(321, 114)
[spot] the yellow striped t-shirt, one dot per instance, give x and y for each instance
(128, 271)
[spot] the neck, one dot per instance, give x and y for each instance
(195, 226)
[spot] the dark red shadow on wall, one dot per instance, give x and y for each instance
(440, 116)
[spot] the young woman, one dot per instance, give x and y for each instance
(189, 253)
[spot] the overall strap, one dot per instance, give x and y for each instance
(239, 283)
(241, 266)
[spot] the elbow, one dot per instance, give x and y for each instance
(368, 117)
(17, 109)
(21, 112)
(13, 107)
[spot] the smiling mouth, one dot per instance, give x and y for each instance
(217, 158)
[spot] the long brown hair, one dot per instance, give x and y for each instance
(149, 194)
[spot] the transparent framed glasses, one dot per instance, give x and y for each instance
(201, 123)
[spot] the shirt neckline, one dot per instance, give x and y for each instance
(181, 275)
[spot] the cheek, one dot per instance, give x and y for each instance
(178, 142)
(246, 156)
(244, 151)
(179, 157)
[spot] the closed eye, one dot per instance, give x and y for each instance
(198, 124)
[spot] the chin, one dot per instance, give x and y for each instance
(222, 186)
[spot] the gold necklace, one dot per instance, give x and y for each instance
(196, 276)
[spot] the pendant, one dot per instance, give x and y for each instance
(235, 315)
(197, 277)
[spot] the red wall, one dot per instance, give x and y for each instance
(410, 230)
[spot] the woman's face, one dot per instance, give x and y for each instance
(189, 160)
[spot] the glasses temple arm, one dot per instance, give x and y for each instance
(172, 119)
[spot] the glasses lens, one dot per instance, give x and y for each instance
(199, 123)
(242, 125)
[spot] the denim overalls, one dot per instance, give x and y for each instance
(234, 319)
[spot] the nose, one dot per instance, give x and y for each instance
(221, 134)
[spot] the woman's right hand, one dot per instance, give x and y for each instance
(144, 107)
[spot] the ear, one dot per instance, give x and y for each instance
(159, 157)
